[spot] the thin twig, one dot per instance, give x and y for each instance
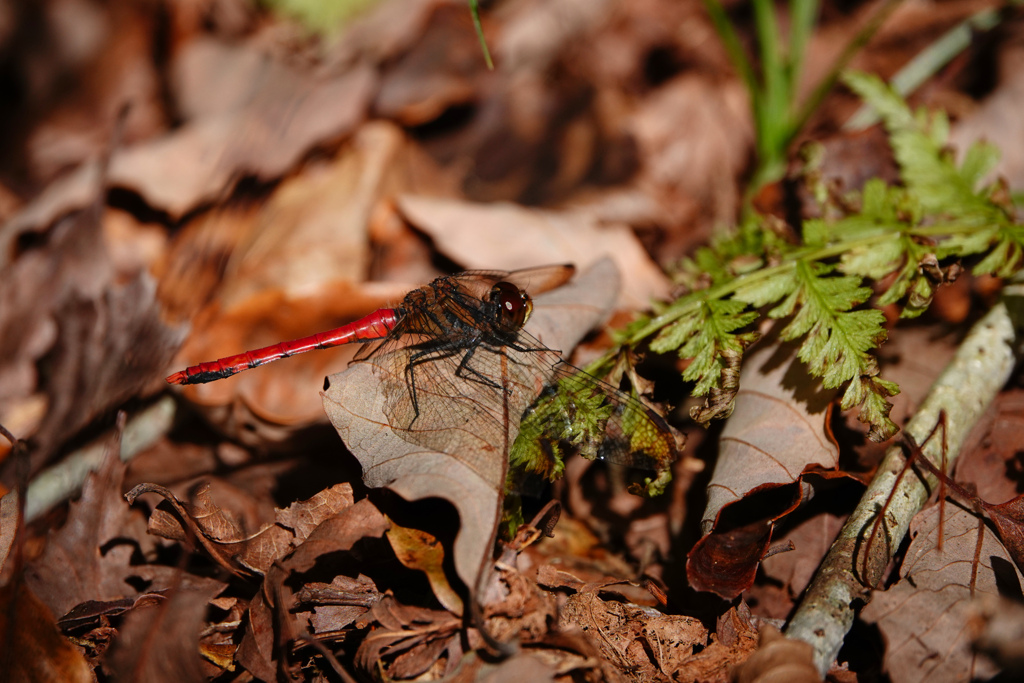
(65, 479)
(7, 435)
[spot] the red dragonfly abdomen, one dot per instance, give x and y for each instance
(377, 325)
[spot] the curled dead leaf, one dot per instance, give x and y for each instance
(778, 658)
(271, 615)
(421, 551)
(332, 607)
(412, 639)
(633, 638)
(100, 518)
(227, 541)
(777, 432)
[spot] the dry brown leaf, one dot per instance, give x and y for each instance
(108, 349)
(440, 70)
(265, 138)
(421, 551)
(776, 433)
(257, 652)
(923, 616)
(582, 557)
(997, 121)
(695, 151)
(515, 608)
(550, 576)
(271, 617)
(1008, 519)
(508, 236)
(32, 649)
(194, 266)
(473, 478)
(991, 461)
(411, 638)
(210, 76)
(90, 557)
(642, 640)
(778, 659)
(203, 159)
(523, 666)
(76, 331)
(790, 572)
(112, 68)
(725, 561)
(735, 638)
(96, 613)
(333, 607)
(534, 34)
(382, 32)
(9, 514)
(997, 630)
(135, 246)
(312, 232)
(160, 643)
(237, 546)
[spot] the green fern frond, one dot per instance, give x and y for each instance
(704, 335)
(908, 236)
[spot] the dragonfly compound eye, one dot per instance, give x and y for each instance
(514, 305)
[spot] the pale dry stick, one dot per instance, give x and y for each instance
(979, 370)
(56, 484)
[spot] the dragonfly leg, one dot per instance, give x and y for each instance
(464, 371)
(532, 349)
(418, 358)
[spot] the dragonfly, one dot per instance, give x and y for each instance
(454, 356)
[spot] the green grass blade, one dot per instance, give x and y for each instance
(733, 47)
(929, 61)
(474, 9)
(853, 47)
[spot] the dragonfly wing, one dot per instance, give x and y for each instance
(478, 283)
(468, 409)
(551, 406)
(542, 279)
(578, 411)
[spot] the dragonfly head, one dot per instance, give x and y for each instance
(514, 305)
